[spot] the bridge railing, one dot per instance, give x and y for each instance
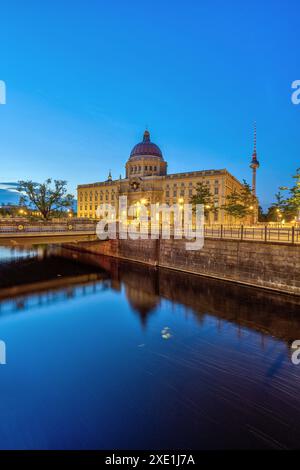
(24, 227)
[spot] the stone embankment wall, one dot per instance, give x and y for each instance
(267, 265)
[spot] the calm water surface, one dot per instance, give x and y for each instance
(104, 355)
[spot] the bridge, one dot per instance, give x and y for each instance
(32, 233)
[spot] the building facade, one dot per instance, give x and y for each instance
(148, 182)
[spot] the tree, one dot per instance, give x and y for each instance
(292, 203)
(277, 210)
(203, 196)
(47, 199)
(262, 216)
(241, 203)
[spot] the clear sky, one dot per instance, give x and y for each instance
(84, 78)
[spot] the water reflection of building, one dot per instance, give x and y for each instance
(266, 313)
(142, 302)
(145, 287)
(142, 291)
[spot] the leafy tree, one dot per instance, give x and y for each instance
(45, 197)
(204, 196)
(272, 214)
(277, 210)
(241, 203)
(292, 203)
(262, 216)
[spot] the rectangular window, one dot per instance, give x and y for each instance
(216, 190)
(174, 193)
(167, 193)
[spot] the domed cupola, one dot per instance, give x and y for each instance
(146, 159)
(146, 148)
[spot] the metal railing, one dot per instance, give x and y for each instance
(46, 227)
(255, 233)
(267, 234)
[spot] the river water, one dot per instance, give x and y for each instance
(104, 354)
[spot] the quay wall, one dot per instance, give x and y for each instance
(274, 266)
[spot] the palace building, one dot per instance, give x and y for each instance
(148, 182)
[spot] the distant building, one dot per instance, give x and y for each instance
(148, 182)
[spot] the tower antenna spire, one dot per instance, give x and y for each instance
(254, 162)
(255, 138)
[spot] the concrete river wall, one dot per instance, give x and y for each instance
(274, 266)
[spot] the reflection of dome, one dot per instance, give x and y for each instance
(146, 149)
(142, 302)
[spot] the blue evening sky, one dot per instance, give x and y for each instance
(84, 78)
